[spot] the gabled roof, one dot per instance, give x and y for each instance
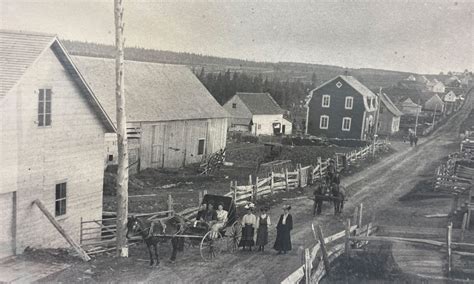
(20, 50)
(260, 103)
(354, 83)
(409, 103)
(153, 91)
(390, 105)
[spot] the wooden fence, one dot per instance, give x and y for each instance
(327, 249)
(301, 177)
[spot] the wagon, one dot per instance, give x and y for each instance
(228, 236)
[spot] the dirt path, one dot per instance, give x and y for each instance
(378, 187)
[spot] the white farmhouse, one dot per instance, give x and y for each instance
(257, 113)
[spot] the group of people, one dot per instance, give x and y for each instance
(253, 225)
(329, 189)
(413, 139)
(208, 217)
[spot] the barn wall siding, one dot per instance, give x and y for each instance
(70, 150)
(174, 144)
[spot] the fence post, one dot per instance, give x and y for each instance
(347, 246)
(271, 182)
(250, 179)
(323, 248)
(355, 215)
(286, 180)
(170, 205)
(300, 176)
(448, 243)
(463, 227)
(200, 196)
(359, 223)
(255, 190)
(235, 191)
(320, 163)
(307, 266)
(80, 235)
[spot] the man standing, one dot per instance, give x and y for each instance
(318, 199)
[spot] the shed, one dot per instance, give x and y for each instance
(389, 116)
(257, 113)
(174, 120)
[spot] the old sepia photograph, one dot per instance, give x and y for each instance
(236, 141)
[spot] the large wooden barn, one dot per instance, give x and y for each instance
(341, 108)
(51, 146)
(173, 119)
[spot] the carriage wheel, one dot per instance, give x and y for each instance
(210, 248)
(235, 234)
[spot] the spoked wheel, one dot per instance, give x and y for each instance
(234, 236)
(210, 248)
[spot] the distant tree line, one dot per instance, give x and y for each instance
(289, 94)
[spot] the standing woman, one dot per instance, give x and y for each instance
(263, 221)
(284, 227)
(248, 223)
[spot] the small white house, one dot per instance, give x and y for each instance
(436, 86)
(257, 113)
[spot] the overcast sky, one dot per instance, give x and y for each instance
(415, 36)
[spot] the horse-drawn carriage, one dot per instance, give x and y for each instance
(182, 230)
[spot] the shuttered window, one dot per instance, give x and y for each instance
(326, 101)
(324, 122)
(346, 124)
(349, 101)
(44, 107)
(60, 205)
(201, 146)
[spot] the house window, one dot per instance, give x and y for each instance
(201, 146)
(324, 122)
(234, 105)
(346, 124)
(44, 107)
(349, 101)
(60, 204)
(326, 100)
(111, 158)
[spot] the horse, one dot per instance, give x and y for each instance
(339, 196)
(153, 233)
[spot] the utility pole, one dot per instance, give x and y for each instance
(378, 101)
(434, 115)
(416, 119)
(122, 172)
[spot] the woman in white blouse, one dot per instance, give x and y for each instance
(221, 220)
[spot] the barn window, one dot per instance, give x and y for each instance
(44, 107)
(201, 146)
(349, 102)
(326, 100)
(234, 105)
(111, 158)
(60, 206)
(346, 124)
(324, 122)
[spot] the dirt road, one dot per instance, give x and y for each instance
(377, 187)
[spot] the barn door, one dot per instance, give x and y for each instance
(157, 146)
(7, 219)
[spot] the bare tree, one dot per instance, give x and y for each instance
(122, 172)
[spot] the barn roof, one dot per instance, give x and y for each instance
(260, 103)
(390, 105)
(153, 92)
(19, 50)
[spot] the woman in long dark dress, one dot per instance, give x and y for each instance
(249, 222)
(284, 227)
(263, 221)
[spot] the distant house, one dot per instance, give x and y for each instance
(435, 103)
(453, 82)
(389, 116)
(257, 113)
(451, 101)
(408, 107)
(436, 86)
(52, 131)
(341, 108)
(411, 78)
(172, 119)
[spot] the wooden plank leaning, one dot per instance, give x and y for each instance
(63, 233)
